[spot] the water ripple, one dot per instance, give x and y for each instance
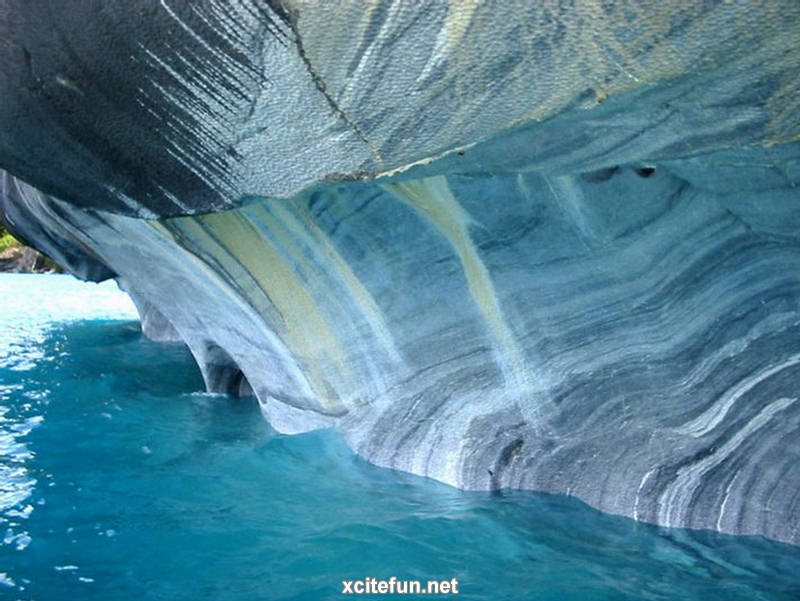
(119, 479)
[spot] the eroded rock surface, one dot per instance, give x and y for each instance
(536, 249)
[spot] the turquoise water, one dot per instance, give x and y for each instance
(119, 480)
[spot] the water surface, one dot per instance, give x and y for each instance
(120, 480)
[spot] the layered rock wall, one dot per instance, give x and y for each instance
(532, 248)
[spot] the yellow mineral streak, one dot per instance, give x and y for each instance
(276, 231)
(459, 17)
(307, 331)
(299, 225)
(188, 228)
(311, 381)
(424, 161)
(587, 51)
(433, 199)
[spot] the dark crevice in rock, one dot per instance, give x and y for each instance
(320, 84)
(507, 455)
(222, 373)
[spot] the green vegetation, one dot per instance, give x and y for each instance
(15, 261)
(6, 239)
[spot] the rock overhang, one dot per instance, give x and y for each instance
(574, 271)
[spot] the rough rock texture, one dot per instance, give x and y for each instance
(22, 259)
(169, 107)
(530, 248)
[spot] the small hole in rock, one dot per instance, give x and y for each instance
(645, 171)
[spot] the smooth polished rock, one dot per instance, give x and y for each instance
(623, 336)
(544, 249)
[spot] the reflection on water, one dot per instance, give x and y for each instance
(118, 480)
(31, 307)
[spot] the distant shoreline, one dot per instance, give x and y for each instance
(23, 259)
(15, 257)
